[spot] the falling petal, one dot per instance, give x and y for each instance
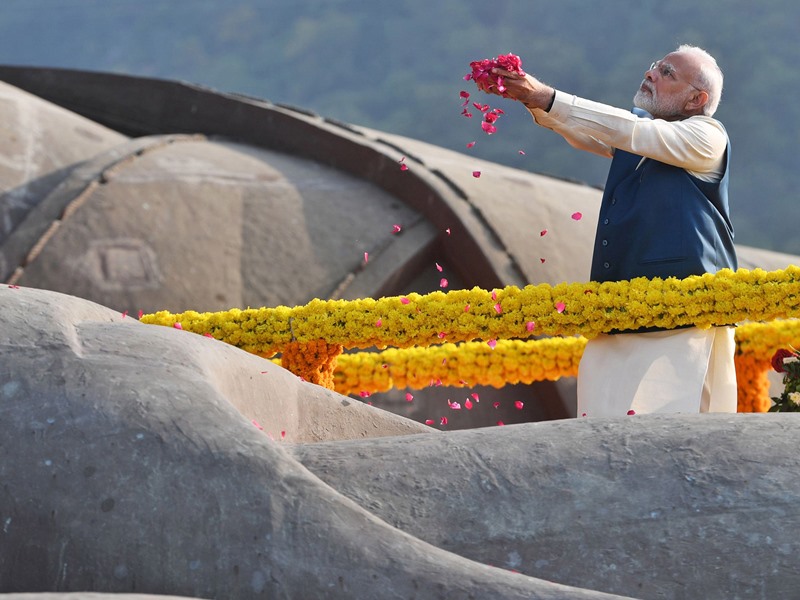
(530, 325)
(577, 216)
(476, 397)
(447, 231)
(522, 152)
(541, 260)
(208, 335)
(466, 308)
(364, 394)
(466, 113)
(583, 414)
(178, 326)
(543, 232)
(463, 94)
(442, 335)
(631, 412)
(470, 145)
(366, 257)
(283, 435)
(443, 421)
(404, 300)
(500, 423)
(124, 313)
(519, 404)
(384, 366)
(141, 313)
(492, 344)
(396, 228)
(496, 404)
(497, 308)
(404, 167)
(443, 283)
(437, 383)
(468, 404)
(454, 405)
(488, 127)
(476, 174)
(379, 323)
(438, 267)
(428, 421)
(409, 397)
(560, 306)
(258, 426)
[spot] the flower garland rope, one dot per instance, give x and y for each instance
(459, 365)
(566, 309)
(314, 361)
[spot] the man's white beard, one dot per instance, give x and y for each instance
(668, 109)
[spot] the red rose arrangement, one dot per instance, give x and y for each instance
(486, 81)
(787, 362)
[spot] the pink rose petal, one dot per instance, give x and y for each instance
(454, 405)
(530, 325)
(468, 404)
(257, 425)
(492, 344)
(177, 326)
(447, 231)
(470, 145)
(476, 397)
(428, 421)
(496, 404)
(560, 306)
(409, 397)
(488, 127)
(543, 232)
(498, 309)
(438, 267)
(443, 283)
(500, 423)
(466, 308)
(379, 323)
(443, 421)
(366, 257)
(476, 174)
(518, 404)
(631, 412)
(404, 167)
(404, 300)
(364, 394)
(396, 228)
(577, 216)
(522, 152)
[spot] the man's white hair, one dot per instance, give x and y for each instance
(709, 79)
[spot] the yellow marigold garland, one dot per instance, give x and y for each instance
(467, 364)
(565, 309)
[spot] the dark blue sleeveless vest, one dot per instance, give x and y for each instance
(659, 221)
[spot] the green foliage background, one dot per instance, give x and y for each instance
(398, 66)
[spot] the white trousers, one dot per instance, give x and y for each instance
(676, 371)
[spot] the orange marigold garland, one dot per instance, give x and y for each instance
(314, 361)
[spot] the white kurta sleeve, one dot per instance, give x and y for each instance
(696, 144)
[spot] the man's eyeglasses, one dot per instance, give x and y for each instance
(667, 70)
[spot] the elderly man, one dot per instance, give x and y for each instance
(664, 213)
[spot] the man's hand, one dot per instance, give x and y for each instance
(526, 89)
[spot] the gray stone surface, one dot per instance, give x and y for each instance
(652, 507)
(131, 464)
